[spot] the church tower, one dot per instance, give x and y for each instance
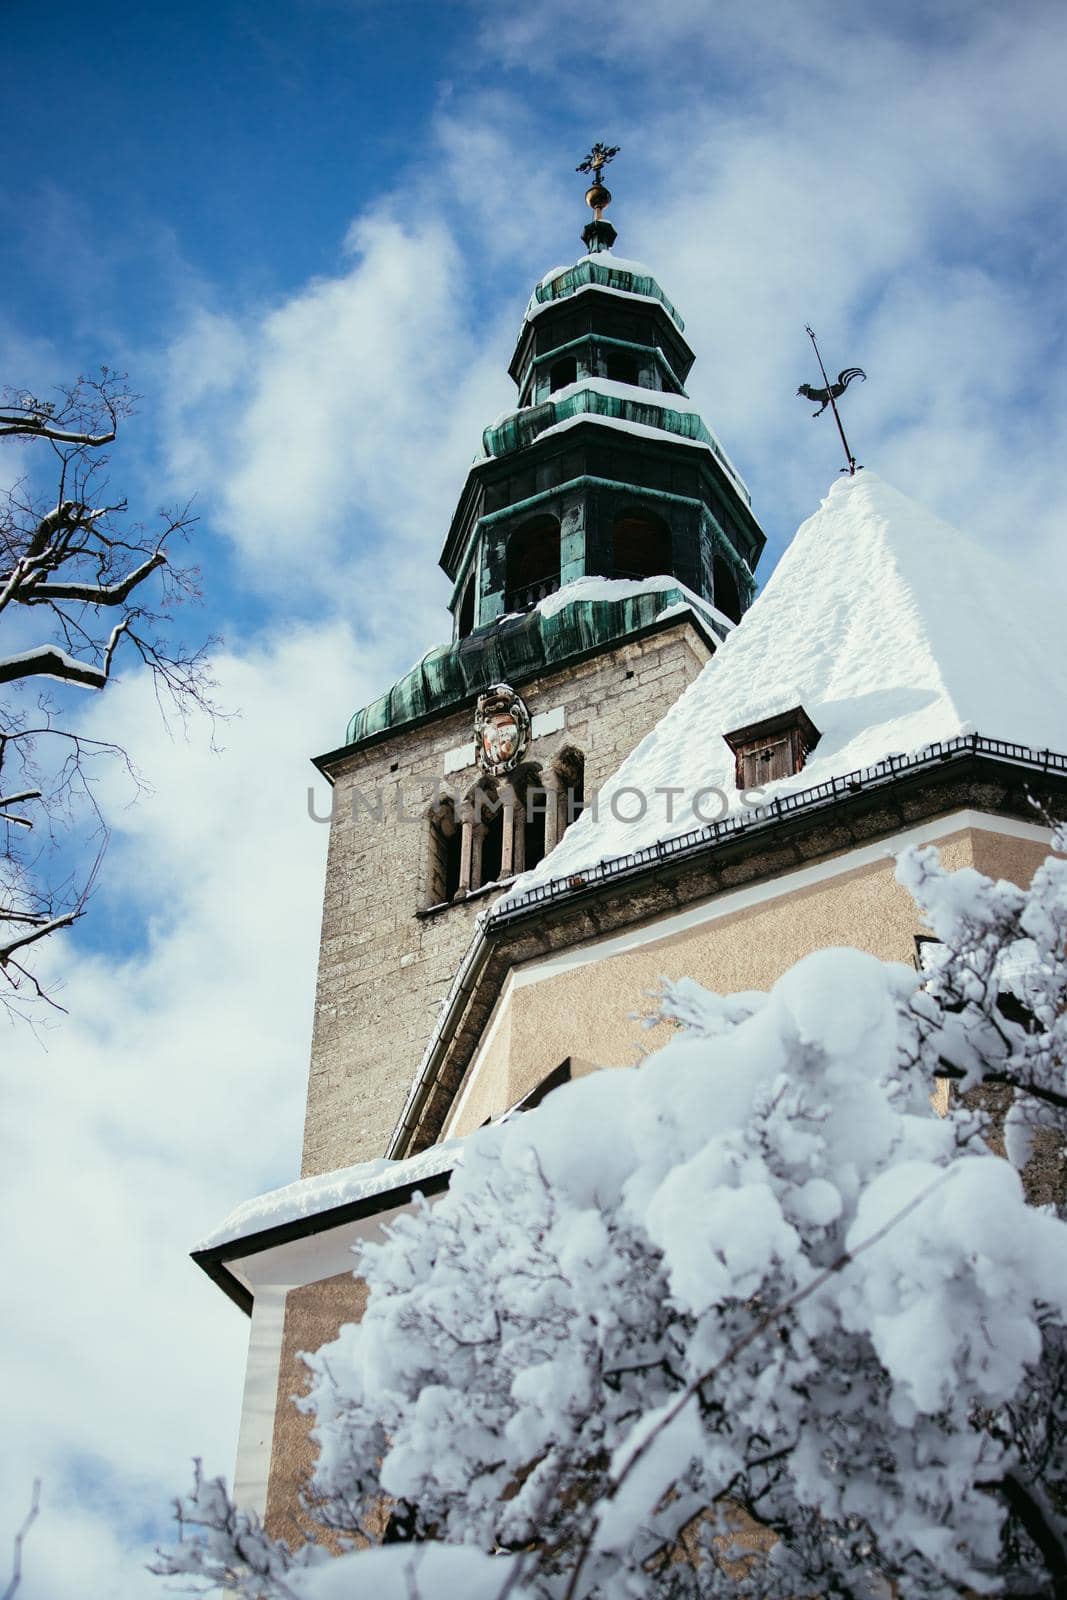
(602, 548)
(600, 556)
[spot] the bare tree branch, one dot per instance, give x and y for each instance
(69, 559)
(106, 594)
(20, 1537)
(38, 428)
(42, 932)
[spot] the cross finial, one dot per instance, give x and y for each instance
(598, 157)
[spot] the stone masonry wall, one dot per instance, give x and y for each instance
(384, 968)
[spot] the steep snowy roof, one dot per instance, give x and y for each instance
(888, 626)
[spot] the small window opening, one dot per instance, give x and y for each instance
(492, 848)
(466, 609)
(446, 854)
(533, 818)
(563, 372)
(533, 563)
(570, 765)
(726, 596)
(621, 368)
(641, 545)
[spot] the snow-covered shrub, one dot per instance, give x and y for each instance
(754, 1284)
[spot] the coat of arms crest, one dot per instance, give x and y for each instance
(501, 729)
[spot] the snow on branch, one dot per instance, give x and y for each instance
(51, 661)
(749, 1319)
(90, 579)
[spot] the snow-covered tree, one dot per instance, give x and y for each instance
(749, 1319)
(79, 585)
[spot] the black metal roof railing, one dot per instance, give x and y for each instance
(700, 839)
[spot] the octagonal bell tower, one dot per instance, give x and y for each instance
(594, 473)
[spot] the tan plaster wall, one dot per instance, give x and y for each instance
(314, 1316)
(589, 1010)
(383, 970)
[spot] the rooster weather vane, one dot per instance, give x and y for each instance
(829, 395)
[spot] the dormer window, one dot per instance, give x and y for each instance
(776, 747)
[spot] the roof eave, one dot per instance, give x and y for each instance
(216, 1258)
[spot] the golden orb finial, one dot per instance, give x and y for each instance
(598, 195)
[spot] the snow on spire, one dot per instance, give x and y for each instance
(889, 627)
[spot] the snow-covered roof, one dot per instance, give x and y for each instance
(586, 613)
(311, 1197)
(605, 271)
(888, 626)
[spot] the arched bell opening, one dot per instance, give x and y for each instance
(533, 563)
(562, 372)
(726, 596)
(641, 544)
(621, 368)
(465, 624)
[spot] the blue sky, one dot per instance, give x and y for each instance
(308, 233)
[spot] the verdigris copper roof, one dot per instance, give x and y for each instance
(520, 646)
(628, 277)
(648, 408)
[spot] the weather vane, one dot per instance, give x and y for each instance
(598, 157)
(598, 234)
(829, 395)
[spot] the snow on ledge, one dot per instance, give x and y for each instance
(591, 587)
(311, 1197)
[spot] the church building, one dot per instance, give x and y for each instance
(621, 767)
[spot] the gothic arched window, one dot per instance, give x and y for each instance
(533, 801)
(641, 545)
(445, 854)
(570, 768)
(533, 563)
(562, 372)
(489, 832)
(726, 596)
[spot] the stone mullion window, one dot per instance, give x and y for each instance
(555, 823)
(511, 849)
(467, 852)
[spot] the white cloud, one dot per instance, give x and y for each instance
(888, 176)
(174, 1089)
(333, 431)
(893, 191)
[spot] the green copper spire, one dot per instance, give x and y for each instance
(599, 234)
